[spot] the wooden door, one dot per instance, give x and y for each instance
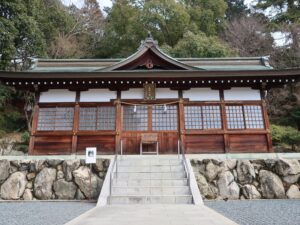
(139, 119)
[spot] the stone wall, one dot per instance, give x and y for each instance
(247, 179)
(51, 179)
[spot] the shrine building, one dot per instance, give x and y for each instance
(213, 105)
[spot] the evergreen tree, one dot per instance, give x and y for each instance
(236, 9)
(207, 15)
(199, 45)
(20, 35)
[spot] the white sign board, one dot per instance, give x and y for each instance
(90, 155)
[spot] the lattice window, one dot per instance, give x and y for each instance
(135, 117)
(58, 118)
(211, 117)
(106, 118)
(97, 118)
(235, 117)
(87, 118)
(253, 117)
(164, 117)
(202, 117)
(193, 117)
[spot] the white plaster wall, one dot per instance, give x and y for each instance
(242, 93)
(133, 93)
(202, 94)
(97, 95)
(58, 95)
(166, 93)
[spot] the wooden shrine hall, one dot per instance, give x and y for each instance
(213, 105)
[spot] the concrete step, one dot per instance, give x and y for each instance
(124, 182)
(166, 199)
(151, 191)
(149, 162)
(151, 175)
(154, 168)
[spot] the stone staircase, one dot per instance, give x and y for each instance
(150, 180)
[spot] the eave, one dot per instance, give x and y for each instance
(149, 74)
(131, 79)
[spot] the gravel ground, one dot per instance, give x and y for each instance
(256, 212)
(41, 213)
(259, 212)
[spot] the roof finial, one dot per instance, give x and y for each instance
(149, 34)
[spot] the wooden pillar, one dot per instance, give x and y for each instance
(224, 122)
(181, 118)
(118, 121)
(75, 123)
(266, 119)
(34, 123)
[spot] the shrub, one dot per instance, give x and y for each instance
(23, 145)
(285, 135)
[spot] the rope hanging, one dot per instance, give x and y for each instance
(155, 104)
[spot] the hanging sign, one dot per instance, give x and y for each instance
(90, 155)
(149, 91)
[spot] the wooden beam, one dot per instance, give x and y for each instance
(75, 123)
(266, 120)
(34, 123)
(224, 122)
(181, 128)
(118, 122)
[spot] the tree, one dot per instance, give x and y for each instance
(167, 20)
(207, 15)
(20, 36)
(249, 36)
(236, 9)
(287, 20)
(59, 28)
(123, 30)
(92, 25)
(288, 10)
(295, 115)
(288, 56)
(199, 45)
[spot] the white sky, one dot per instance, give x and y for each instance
(78, 3)
(108, 3)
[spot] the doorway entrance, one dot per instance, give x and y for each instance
(160, 119)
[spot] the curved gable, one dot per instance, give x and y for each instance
(149, 57)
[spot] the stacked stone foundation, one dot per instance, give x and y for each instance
(247, 179)
(51, 179)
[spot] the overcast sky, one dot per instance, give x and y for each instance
(108, 3)
(78, 3)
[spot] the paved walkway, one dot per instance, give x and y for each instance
(259, 212)
(151, 215)
(41, 212)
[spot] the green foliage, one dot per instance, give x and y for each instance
(288, 11)
(23, 144)
(285, 135)
(285, 17)
(295, 115)
(167, 20)
(11, 118)
(208, 15)
(199, 45)
(291, 119)
(123, 31)
(6, 95)
(21, 37)
(236, 9)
